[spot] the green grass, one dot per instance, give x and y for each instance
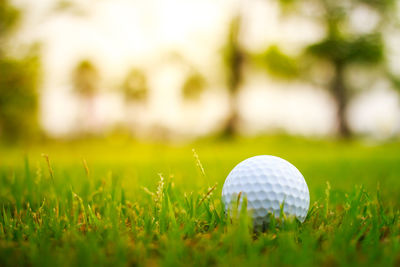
(105, 203)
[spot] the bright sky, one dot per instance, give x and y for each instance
(120, 34)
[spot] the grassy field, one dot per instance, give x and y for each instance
(118, 202)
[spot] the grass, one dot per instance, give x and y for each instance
(117, 202)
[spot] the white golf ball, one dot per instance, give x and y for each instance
(267, 182)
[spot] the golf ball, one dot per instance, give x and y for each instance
(267, 182)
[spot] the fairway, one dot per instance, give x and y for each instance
(122, 203)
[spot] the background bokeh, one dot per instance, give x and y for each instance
(121, 119)
(176, 70)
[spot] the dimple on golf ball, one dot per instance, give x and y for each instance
(268, 182)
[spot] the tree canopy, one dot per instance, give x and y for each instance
(340, 46)
(19, 78)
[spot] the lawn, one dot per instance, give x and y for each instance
(119, 202)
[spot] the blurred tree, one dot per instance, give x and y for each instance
(233, 57)
(19, 99)
(63, 5)
(135, 90)
(135, 86)
(18, 84)
(86, 78)
(277, 63)
(86, 84)
(339, 47)
(194, 86)
(71, 7)
(9, 17)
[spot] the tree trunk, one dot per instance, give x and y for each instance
(236, 78)
(339, 91)
(232, 120)
(235, 60)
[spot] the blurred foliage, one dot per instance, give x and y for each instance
(19, 79)
(340, 46)
(86, 78)
(395, 81)
(9, 16)
(63, 5)
(193, 86)
(277, 63)
(339, 7)
(382, 5)
(135, 86)
(364, 49)
(19, 98)
(70, 7)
